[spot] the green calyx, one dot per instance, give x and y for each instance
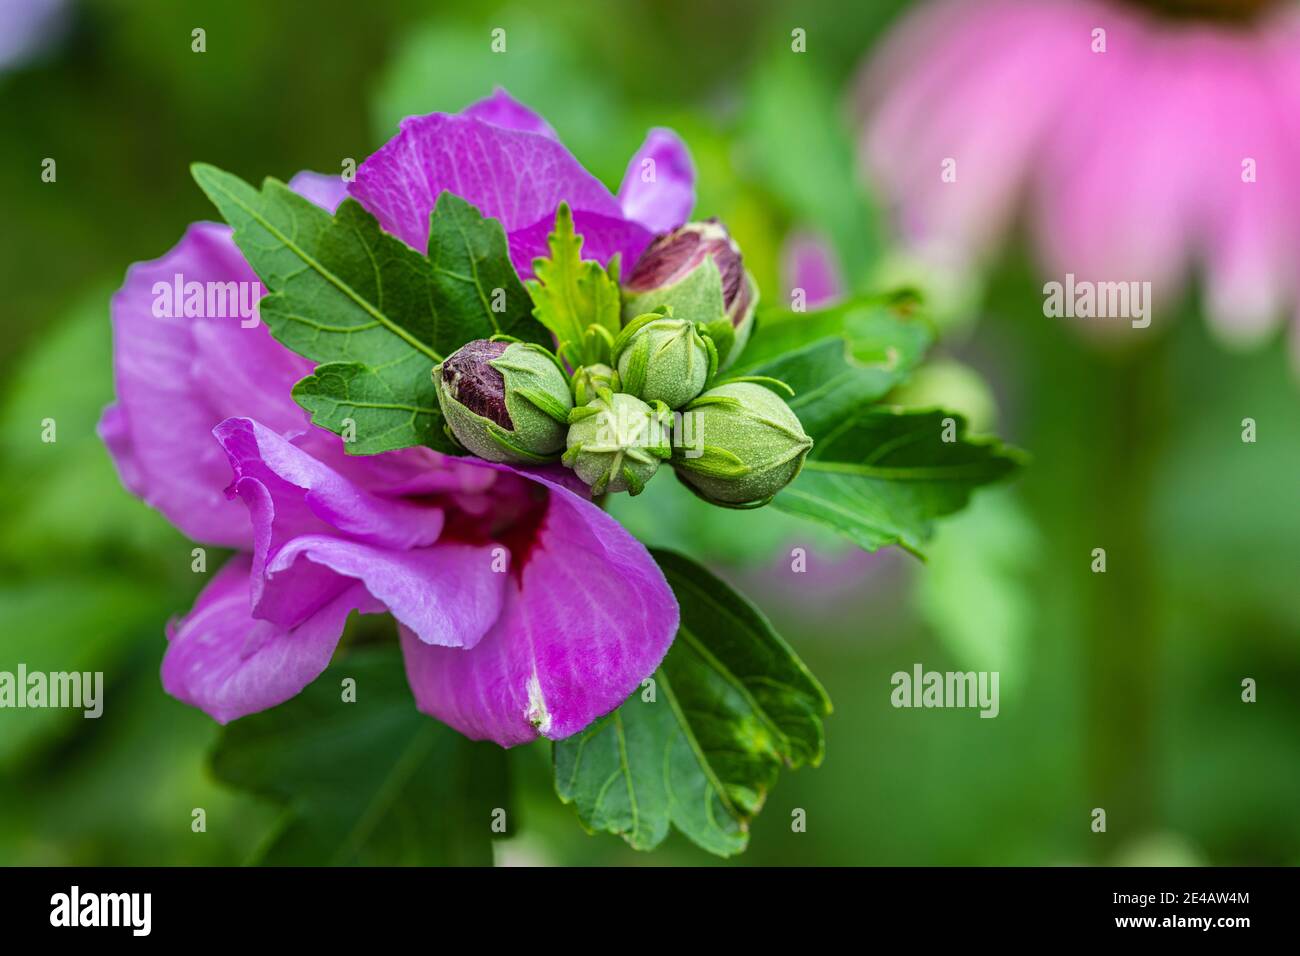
(664, 359)
(698, 297)
(741, 322)
(523, 415)
(745, 445)
(616, 442)
(588, 380)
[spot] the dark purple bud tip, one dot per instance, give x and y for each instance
(673, 255)
(664, 259)
(474, 383)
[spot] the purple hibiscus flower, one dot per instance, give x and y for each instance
(506, 160)
(523, 608)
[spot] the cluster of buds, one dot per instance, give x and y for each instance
(697, 271)
(688, 310)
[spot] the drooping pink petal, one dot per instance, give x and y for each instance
(293, 498)
(1109, 205)
(517, 177)
(447, 595)
(1010, 63)
(403, 472)
(1283, 34)
(658, 189)
(277, 520)
(257, 453)
(587, 617)
(1248, 233)
(1121, 131)
(226, 663)
(502, 109)
(534, 475)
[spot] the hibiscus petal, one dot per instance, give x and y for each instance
(403, 472)
(586, 619)
(290, 494)
(323, 189)
(502, 109)
(170, 392)
(256, 452)
(449, 595)
(545, 475)
(516, 177)
(658, 189)
(227, 664)
(176, 377)
(115, 432)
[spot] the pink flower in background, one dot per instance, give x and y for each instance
(27, 27)
(808, 262)
(1176, 149)
(524, 610)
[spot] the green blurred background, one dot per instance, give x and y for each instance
(1119, 690)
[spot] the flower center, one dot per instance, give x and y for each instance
(1230, 11)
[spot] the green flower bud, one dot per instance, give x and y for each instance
(699, 271)
(750, 445)
(506, 402)
(663, 359)
(617, 442)
(588, 380)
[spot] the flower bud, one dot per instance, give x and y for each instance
(616, 442)
(752, 445)
(663, 359)
(588, 380)
(699, 271)
(505, 402)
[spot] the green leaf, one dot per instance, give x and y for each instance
(476, 291)
(731, 705)
(837, 359)
(341, 392)
(576, 299)
(881, 476)
(375, 312)
(371, 782)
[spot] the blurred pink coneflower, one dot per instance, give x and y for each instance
(1139, 141)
